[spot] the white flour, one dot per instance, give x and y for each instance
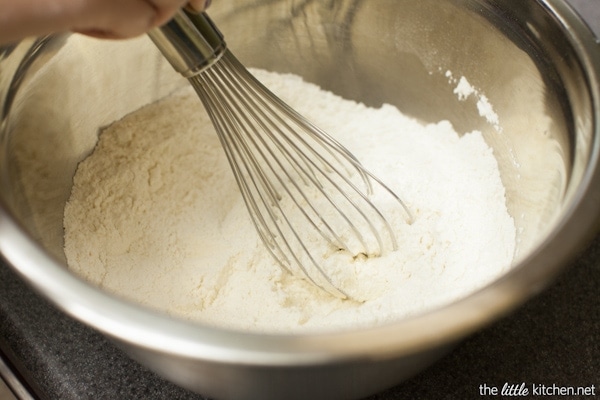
(155, 216)
(464, 90)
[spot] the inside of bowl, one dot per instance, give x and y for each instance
(405, 53)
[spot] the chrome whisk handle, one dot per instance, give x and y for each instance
(190, 42)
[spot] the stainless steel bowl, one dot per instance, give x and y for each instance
(535, 61)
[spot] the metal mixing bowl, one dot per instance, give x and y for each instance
(535, 61)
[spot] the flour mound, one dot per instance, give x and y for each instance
(156, 217)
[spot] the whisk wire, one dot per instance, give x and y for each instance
(237, 148)
(260, 94)
(278, 130)
(265, 233)
(224, 122)
(263, 148)
(262, 114)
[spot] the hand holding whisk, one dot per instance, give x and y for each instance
(307, 195)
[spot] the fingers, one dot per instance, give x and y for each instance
(123, 19)
(198, 5)
(119, 19)
(115, 19)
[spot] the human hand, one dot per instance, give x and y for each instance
(111, 19)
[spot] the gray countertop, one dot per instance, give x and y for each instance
(554, 339)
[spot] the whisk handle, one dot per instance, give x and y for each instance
(190, 42)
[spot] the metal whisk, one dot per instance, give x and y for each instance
(307, 195)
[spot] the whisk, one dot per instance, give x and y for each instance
(308, 197)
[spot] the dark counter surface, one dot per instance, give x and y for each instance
(553, 340)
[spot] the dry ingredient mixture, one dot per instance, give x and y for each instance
(464, 90)
(155, 216)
